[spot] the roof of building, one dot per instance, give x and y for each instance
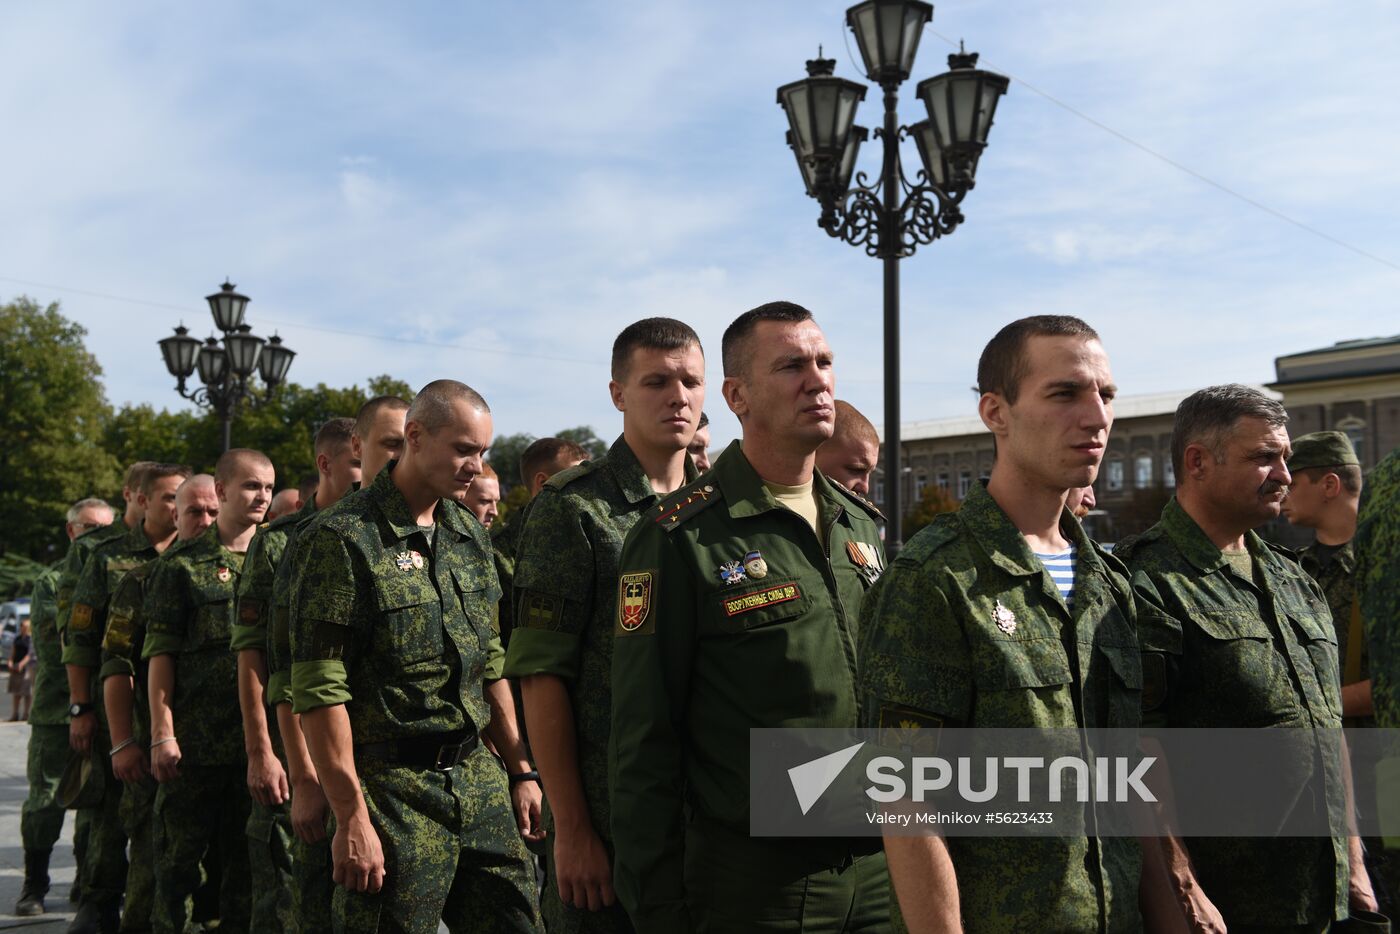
(1371, 356)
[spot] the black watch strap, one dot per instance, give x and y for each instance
(77, 710)
(530, 776)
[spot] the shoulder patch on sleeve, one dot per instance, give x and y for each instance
(859, 500)
(685, 503)
(634, 603)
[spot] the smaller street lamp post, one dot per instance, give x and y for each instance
(226, 368)
(895, 215)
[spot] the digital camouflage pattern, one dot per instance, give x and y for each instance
(188, 612)
(41, 816)
(205, 808)
(1233, 652)
(566, 577)
(933, 654)
(1378, 584)
(505, 544)
(104, 570)
(402, 632)
(279, 644)
(698, 662)
(1335, 573)
(73, 562)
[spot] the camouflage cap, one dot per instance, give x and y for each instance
(1321, 449)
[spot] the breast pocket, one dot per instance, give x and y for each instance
(1125, 686)
(1238, 668)
(747, 608)
(1022, 683)
(411, 631)
(479, 605)
(1320, 640)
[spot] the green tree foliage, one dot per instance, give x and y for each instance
(583, 434)
(505, 458)
(52, 409)
(933, 501)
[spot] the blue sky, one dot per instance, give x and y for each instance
(505, 186)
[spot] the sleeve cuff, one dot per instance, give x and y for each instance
(116, 665)
(248, 637)
(318, 684)
(84, 656)
(279, 688)
(161, 643)
(543, 652)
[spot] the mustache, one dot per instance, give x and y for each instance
(1270, 487)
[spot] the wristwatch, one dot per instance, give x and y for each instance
(77, 710)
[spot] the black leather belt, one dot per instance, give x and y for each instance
(438, 751)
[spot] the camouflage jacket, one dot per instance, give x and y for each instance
(74, 561)
(279, 643)
(400, 631)
(731, 614)
(1235, 652)
(50, 703)
(566, 596)
(125, 638)
(505, 545)
(103, 571)
(189, 614)
(1378, 584)
(968, 629)
(1335, 573)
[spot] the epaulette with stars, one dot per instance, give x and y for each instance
(684, 503)
(869, 506)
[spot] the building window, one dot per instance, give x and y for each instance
(1355, 430)
(964, 483)
(1142, 471)
(920, 482)
(1168, 473)
(1115, 475)
(944, 481)
(879, 491)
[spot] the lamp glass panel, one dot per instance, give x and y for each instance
(914, 19)
(213, 363)
(826, 101)
(179, 352)
(937, 100)
(845, 115)
(797, 103)
(243, 352)
(867, 37)
(891, 27)
(991, 94)
(930, 152)
(848, 158)
(228, 309)
(964, 107)
(274, 363)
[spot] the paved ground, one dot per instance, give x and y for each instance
(14, 741)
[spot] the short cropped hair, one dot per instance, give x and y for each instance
(92, 502)
(154, 473)
(1003, 363)
(851, 425)
(653, 334)
(704, 420)
(544, 453)
(432, 407)
(230, 460)
(1349, 474)
(364, 418)
(488, 471)
(733, 347)
(136, 474)
(195, 480)
(307, 487)
(1208, 417)
(334, 436)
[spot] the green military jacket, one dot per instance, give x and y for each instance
(49, 706)
(189, 614)
(400, 630)
(698, 662)
(505, 543)
(74, 561)
(125, 638)
(279, 644)
(104, 570)
(967, 629)
(1335, 573)
(1234, 652)
(566, 596)
(1378, 584)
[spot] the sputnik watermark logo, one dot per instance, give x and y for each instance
(810, 780)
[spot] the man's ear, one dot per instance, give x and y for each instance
(735, 395)
(1194, 460)
(1331, 486)
(992, 408)
(615, 393)
(323, 465)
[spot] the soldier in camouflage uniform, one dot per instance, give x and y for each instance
(105, 865)
(1246, 640)
(396, 669)
(737, 608)
(196, 752)
(544, 458)
(566, 600)
(291, 880)
(41, 816)
(970, 629)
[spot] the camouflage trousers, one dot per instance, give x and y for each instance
(736, 884)
(136, 810)
(451, 853)
(205, 808)
(104, 863)
(312, 887)
(41, 816)
(269, 833)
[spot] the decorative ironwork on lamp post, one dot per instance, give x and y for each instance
(896, 214)
(226, 368)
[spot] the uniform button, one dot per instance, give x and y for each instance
(709, 489)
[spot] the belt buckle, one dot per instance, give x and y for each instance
(447, 758)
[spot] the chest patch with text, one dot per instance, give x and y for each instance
(758, 599)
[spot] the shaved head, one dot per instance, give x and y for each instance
(236, 459)
(433, 407)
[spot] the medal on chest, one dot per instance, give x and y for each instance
(224, 575)
(1004, 618)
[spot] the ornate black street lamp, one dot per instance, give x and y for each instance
(895, 215)
(226, 369)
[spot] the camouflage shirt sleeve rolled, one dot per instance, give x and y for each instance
(167, 610)
(255, 590)
(323, 621)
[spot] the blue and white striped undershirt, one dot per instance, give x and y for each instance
(1061, 568)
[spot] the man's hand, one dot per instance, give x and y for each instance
(358, 855)
(165, 760)
(1361, 896)
(309, 810)
(81, 730)
(1201, 913)
(583, 869)
(526, 798)
(267, 780)
(130, 765)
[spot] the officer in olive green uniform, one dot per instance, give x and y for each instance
(269, 826)
(566, 594)
(967, 629)
(734, 614)
(397, 625)
(106, 869)
(1251, 649)
(41, 816)
(188, 612)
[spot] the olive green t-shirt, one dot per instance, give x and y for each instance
(801, 499)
